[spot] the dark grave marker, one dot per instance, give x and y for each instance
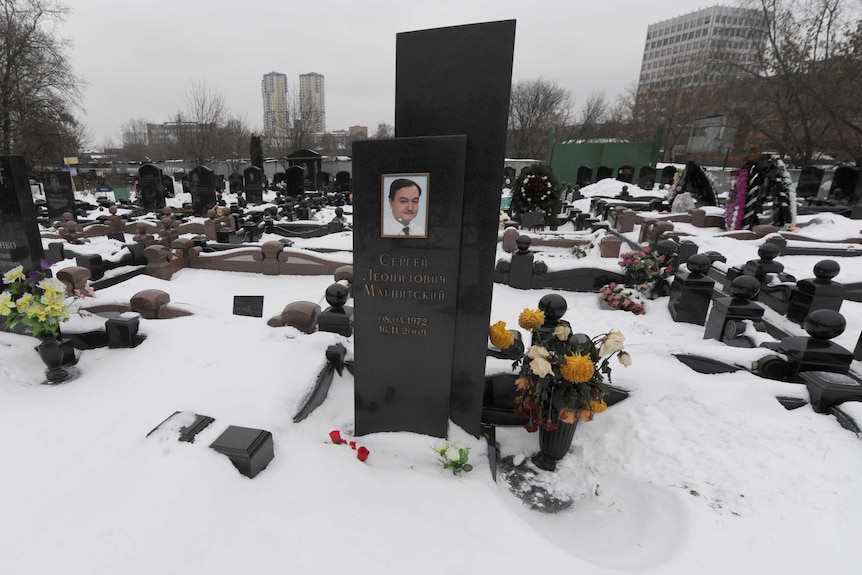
(249, 305)
(585, 176)
(59, 194)
(202, 189)
(405, 290)
(604, 172)
(342, 181)
(467, 93)
(235, 182)
(20, 242)
(809, 182)
(626, 174)
(294, 179)
(844, 184)
(667, 175)
(646, 177)
(253, 185)
(152, 189)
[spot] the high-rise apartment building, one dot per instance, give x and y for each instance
(273, 90)
(312, 101)
(702, 47)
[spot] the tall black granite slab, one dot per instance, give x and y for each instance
(405, 288)
(20, 242)
(457, 80)
(152, 188)
(202, 188)
(253, 184)
(59, 193)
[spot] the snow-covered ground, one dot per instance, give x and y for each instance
(693, 473)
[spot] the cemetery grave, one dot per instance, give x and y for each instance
(403, 323)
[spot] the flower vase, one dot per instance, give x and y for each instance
(554, 445)
(52, 355)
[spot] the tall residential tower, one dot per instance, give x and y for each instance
(312, 101)
(273, 90)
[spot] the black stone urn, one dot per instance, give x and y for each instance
(555, 444)
(52, 354)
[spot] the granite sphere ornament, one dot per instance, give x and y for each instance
(824, 324)
(336, 295)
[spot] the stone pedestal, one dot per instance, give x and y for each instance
(250, 450)
(691, 293)
(817, 293)
(736, 308)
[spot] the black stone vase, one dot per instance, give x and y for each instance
(554, 445)
(51, 352)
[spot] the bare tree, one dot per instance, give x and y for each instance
(536, 107)
(383, 131)
(591, 114)
(38, 90)
(199, 125)
(800, 92)
(133, 134)
(233, 139)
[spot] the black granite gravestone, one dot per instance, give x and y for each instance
(845, 184)
(406, 287)
(604, 172)
(202, 189)
(294, 180)
(20, 242)
(810, 178)
(59, 194)
(585, 176)
(457, 80)
(626, 174)
(668, 173)
(152, 189)
(254, 184)
(646, 177)
(234, 181)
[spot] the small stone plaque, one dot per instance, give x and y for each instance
(250, 305)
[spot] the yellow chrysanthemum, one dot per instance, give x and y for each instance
(52, 286)
(578, 368)
(531, 318)
(14, 274)
(6, 304)
(500, 336)
(598, 406)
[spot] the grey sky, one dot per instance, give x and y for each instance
(141, 58)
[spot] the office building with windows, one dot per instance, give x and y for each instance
(703, 47)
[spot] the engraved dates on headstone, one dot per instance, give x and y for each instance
(406, 287)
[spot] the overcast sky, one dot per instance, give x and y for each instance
(139, 59)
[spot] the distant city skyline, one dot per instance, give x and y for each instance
(132, 74)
